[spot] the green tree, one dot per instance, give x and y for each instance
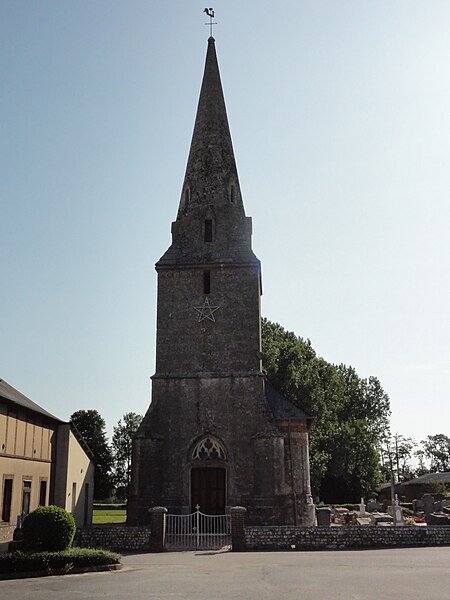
(397, 452)
(437, 449)
(351, 414)
(421, 468)
(93, 429)
(122, 439)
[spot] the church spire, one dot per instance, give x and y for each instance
(211, 226)
(211, 175)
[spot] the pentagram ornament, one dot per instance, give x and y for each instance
(206, 311)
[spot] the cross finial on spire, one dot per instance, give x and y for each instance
(210, 13)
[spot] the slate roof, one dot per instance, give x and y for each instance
(444, 477)
(211, 164)
(281, 407)
(12, 395)
(211, 189)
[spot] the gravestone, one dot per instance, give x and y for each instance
(428, 502)
(323, 516)
(373, 506)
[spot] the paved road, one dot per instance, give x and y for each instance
(404, 574)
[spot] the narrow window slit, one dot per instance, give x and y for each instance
(208, 230)
(206, 282)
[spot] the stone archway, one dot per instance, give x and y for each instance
(208, 476)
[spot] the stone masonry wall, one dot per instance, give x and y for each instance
(336, 538)
(116, 538)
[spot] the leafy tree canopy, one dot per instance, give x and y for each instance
(351, 414)
(397, 453)
(437, 449)
(122, 443)
(93, 429)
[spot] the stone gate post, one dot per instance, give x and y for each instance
(237, 516)
(158, 528)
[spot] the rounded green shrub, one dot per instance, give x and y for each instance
(48, 528)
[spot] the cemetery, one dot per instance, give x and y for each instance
(429, 510)
(371, 524)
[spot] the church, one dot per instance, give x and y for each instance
(217, 434)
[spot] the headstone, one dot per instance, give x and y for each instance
(428, 502)
(363, 521)
(362, 507)
(373, 506)
(323, 516)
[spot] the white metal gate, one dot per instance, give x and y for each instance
(198, 531)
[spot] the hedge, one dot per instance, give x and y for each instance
(48, 562)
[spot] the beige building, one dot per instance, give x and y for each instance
(43, 460)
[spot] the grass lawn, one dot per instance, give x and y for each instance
(103, 517)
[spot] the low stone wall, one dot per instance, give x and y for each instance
(119, 538)
(336, 538)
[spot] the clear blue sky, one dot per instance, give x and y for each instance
(340, 117)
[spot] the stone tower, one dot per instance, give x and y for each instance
(217, 433)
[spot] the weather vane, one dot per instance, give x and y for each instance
(210, 13)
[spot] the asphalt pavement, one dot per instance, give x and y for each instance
(403, 574)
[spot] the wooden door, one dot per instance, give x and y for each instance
(208, 490)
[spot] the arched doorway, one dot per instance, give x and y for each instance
(208, 477)
(208, 490)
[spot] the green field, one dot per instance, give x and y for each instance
(103, 517)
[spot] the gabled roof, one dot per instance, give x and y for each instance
(80, 439)
(281, 407)
(443, 476)
(12, 395)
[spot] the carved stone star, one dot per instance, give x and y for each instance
(206, 311)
